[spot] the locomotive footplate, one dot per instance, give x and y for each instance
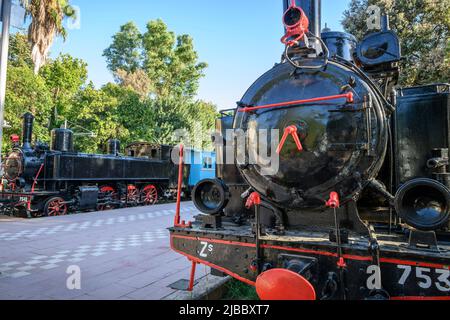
(395, 271)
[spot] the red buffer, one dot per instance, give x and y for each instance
(283, 284)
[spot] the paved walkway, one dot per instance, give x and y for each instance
(121, 254)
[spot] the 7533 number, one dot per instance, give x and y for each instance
(424, 277)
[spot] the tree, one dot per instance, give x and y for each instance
(26, 92)
(171, 62)
(203, 117)
(47, 22)
(135, 112)
(95, 111)
(137, 81)
(65, 77)
(20, 50)
(125, 52)
(424, 29)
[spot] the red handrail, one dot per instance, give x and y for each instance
(34, 185)
(177, 221)
(349, 96)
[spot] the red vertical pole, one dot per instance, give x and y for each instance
(180, 184)
(192, 279)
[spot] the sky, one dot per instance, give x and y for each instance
(239, 39)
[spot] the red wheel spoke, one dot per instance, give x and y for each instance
(56, 207)
(150, 195)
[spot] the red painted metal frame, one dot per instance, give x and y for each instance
(318, 252)
(349, 96)
(211, 265)
(324, 253)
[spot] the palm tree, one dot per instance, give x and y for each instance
(46, 22)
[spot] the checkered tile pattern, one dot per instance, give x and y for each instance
(40, 232)
(16, 269)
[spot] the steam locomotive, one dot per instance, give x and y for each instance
(43, 181)
(359, 207)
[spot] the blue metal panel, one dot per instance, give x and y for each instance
(203, 166)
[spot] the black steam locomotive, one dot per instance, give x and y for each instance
(359, 208)
(54, 181)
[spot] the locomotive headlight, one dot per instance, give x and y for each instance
(423, 204)
(13, 166)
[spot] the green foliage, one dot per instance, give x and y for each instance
(125, 51)
(20, 50)
(64, 77)
(47, 18)
(237, 290)
(424, 29)
(170, 62)
(26, 92)
(157, 75)
(96, 111)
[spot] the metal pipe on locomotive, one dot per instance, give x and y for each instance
(55, 180)
(360, 205)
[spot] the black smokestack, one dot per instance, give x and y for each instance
(312, 9)
(27, 130)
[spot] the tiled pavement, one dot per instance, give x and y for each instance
(122, 254)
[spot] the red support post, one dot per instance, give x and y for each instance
(192, 278)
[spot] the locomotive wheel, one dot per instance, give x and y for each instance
(55, 207)
(149, 195)
(107, 192)
(132, 195)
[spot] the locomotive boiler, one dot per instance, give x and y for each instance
(51, 181)
(358, 205)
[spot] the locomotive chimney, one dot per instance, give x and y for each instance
(27, 130)
(312, 9)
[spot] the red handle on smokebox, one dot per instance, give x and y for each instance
(291, 130)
